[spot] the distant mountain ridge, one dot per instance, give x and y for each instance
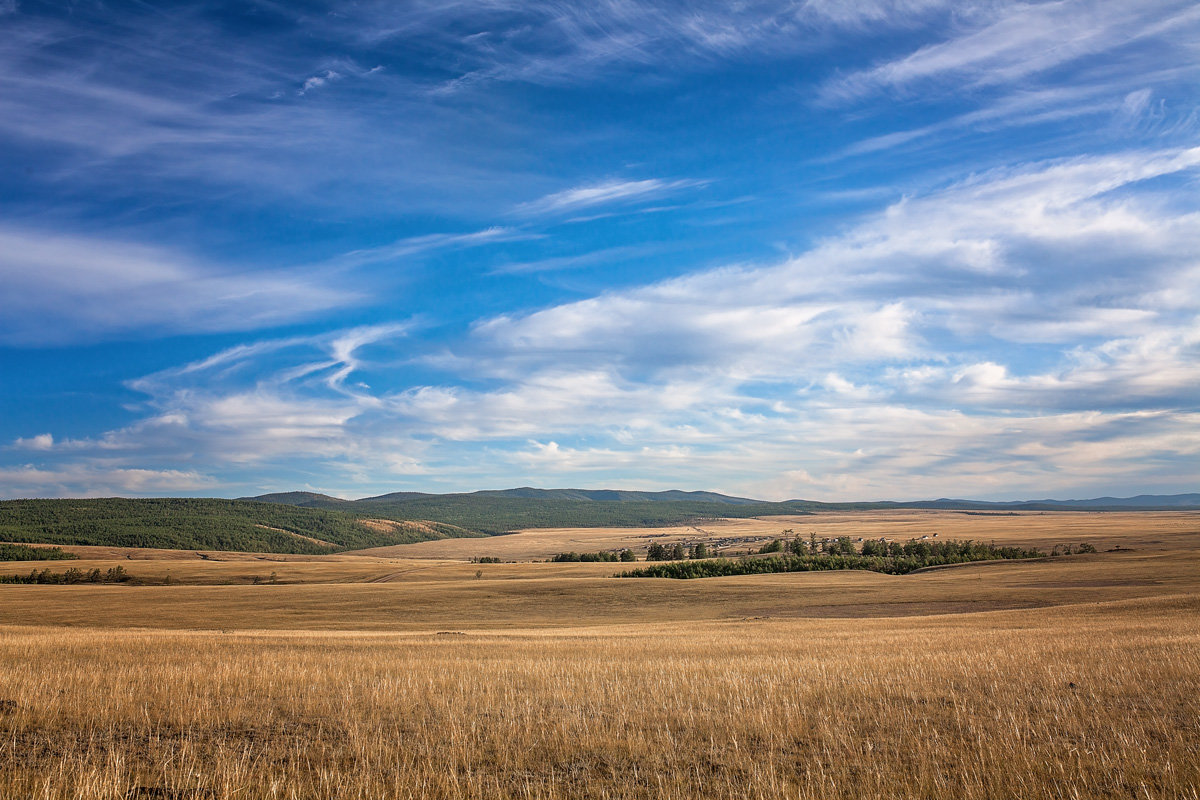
(312, 499)
(1147, 501)
(505, 510)
(301, 499)
(1141, 502)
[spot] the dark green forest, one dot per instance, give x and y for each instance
(200, 524)
(508, 510)
(517, 509)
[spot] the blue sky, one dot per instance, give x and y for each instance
(837, 251)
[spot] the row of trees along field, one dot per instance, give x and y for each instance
(875, 555)
(23, 552)
(624, 555)
(656, 552)
(114, 575)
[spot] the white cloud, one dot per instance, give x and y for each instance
(43, 441)
(562, 43)
(61, 288)
(1025, 39)
(317, 81)
(416, 245)
(1021, 107)
(98, 480)
(1041, 254)
(299, 400)
(604, 193)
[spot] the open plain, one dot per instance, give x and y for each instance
(411, 671)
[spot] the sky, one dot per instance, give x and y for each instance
(889, 249)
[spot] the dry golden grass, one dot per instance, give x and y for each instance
(1096, 701)
(433, 596)
(372, 593)
(1033, 528)
(372, 677)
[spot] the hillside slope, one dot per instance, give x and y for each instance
(508, 510)
(205, 524)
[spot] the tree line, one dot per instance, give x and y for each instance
(924, 549)
(23, 552)
(624, 555)
(892, 558)
(114, 575)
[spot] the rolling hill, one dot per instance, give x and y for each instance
(308, 522)
(503, 511)
(1142, 502)
(206, 524)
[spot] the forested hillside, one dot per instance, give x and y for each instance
(204, 524)
(515, 509)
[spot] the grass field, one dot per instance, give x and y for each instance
(414, 673)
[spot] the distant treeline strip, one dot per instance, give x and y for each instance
(624, 555)
(114, 575)
(928, 555)
(23, 552)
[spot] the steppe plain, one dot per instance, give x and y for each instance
(411, 671)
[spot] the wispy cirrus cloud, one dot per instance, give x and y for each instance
(184, 99)
(1021, 108)
(564, 43)
(432, 242)
(610, 192)
(60, 288)
(1025, 39)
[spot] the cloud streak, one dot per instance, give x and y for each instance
(1026, 39)
(609, 192)
(60, 289)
